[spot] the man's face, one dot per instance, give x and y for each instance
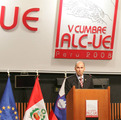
(79, 68)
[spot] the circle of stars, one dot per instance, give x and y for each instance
(8, 108)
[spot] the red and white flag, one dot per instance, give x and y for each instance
(36, 109)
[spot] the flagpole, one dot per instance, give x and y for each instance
(8, 73)
(65, 74)
(37, 73)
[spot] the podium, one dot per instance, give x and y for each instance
(76, 103)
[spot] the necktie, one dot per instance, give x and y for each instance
(81, 82)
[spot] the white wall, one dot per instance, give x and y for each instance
(22, 49)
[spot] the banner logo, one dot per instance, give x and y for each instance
(86, 29)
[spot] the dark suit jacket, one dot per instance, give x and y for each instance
(73, 81)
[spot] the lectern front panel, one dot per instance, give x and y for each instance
(76, 103)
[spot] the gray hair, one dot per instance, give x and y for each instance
(79, 62)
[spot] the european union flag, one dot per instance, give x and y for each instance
(8, 109)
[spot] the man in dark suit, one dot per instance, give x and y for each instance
(79, 80)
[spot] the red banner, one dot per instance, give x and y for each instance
(83, 54)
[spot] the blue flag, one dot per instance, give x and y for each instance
(8, 109)
(58, 111)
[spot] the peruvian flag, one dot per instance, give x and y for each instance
(36, 108)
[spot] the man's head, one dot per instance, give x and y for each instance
(79, 68)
